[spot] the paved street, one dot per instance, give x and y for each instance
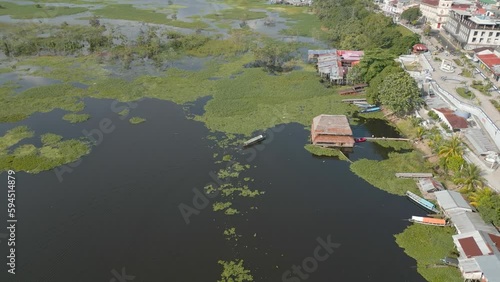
(453, 81)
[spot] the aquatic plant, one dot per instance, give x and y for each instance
(327, 152)
(381, 174)
(76, 118)
(219, 206)
(16, 11)
(14, 136)
(428, 245)
(50, 138)
(234, 271)
(136, 120)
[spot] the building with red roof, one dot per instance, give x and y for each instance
(490, 61)
(453, 121)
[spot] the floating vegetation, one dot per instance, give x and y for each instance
(38, 99)
(50, 138)
(219, 206)
(31, 159)
(136, 120)
(14, 136)
(76, 118)
(381, 174)
(428, 245)
(327, 152)
(231, 211)
(234, 271)
(124, 112)
(237, 14)
(230, 234)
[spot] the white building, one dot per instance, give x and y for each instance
(435, 11)
(471, 30)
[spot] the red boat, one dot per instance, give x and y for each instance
(360, 140)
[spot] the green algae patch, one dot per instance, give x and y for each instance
(381, 174)
(16, 107)
(428, 245)
(76, 118)
(16, 11)
(325, 152)
(136, 120)
(27, 157)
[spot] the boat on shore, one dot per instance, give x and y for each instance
(370, 110)
(254, 140)
(429, 221)
(422, 202)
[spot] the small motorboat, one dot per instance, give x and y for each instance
(360, 140)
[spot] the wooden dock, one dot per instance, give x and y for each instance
(413, 175)
(351, 101)
(386, 138)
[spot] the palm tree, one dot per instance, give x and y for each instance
(469, 177)
(476, 197)
(451, 148)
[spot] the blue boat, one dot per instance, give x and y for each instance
(422, 202)
(371, 110)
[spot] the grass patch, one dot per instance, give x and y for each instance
(404, 31)
(466, 73)
(467, 94)
(326, 152)
(16, 11)
(29, 158)
(136, 120)
(129, 12)
(76, 118)
(5, 70)
(381, 174)
(458, 62)
(237, 14)
(14, 136)
(495, 103)
(484, 89)
(427, 245)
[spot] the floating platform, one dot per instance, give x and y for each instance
(254, 140)
(413, 175)
(422, 202)
(429, 221)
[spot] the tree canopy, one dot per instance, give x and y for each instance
(400, 93)
(412, 14)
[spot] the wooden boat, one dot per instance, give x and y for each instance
(254, 140)
(429, 221)
(360, 139)
(422, 202)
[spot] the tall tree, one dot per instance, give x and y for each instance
(450, 152)
(469, 177)
(412, 14)
(400, 93)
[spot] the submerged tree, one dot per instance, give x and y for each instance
(273, 55)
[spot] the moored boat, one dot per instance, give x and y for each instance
(371, 110)
(254, 140)
(422, 202)
(429, 220)
(360, 139)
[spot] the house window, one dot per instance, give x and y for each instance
(498, 34)
(482, 33)
(481, 40)
(490, 34)
(475, 33)
(473, 39)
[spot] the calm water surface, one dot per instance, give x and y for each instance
(119, 207)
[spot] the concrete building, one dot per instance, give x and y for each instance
(335, 64)
(332, 131)
(451, 119)
(451, 202)
(435, 12)
(490, 62)
(473, 28)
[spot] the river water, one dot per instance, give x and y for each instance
(117, 210)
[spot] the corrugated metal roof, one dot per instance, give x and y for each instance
(450, 200)
(468, 265)
(490, 266)
(470, 247)
(331, 125)
(466, 222)
(430, 184)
